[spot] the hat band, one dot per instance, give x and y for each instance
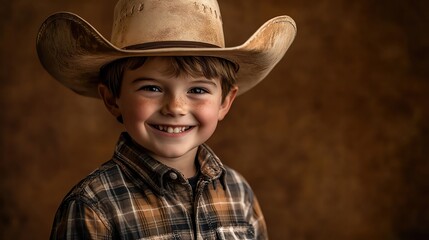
(170, 44)
(175, 44)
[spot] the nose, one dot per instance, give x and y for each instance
(174, 106)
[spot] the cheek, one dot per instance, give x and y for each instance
(207, 113)
(136, 111)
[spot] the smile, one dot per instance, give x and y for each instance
(170, 129)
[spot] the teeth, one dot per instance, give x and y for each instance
(171, 129)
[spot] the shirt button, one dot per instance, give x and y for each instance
(173, 175)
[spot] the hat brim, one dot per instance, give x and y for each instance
(73, 52)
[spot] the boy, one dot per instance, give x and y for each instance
(167, 76)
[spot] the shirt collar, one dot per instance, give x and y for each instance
(141, 168)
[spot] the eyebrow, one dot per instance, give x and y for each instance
(207, 81)
(143, 79)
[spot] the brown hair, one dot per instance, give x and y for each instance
(210, 67)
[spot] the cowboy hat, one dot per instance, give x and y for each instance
(73, 51)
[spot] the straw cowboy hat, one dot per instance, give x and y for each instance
(73, 51)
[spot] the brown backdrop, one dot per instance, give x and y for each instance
(335, 142)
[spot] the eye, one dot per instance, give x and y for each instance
(150, 88)
(198, 90)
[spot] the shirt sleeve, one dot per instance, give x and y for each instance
(258, 221)
(77, 220)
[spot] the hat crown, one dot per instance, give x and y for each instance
(139, 22)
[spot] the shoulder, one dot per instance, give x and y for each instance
(237, 184)
(234, 177)
(98, 185)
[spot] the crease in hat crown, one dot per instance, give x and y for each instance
(138, 22)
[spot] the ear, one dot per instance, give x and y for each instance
(109, 100)
(227, 103)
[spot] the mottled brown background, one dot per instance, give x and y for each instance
(335, 142)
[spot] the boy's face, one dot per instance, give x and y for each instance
(169, 116)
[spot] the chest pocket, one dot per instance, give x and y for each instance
(236, 232)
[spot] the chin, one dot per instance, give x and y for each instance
(175, 152)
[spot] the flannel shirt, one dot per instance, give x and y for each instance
(133, 196)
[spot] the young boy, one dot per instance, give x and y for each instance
(168, 78)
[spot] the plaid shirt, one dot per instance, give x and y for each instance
(134, 196)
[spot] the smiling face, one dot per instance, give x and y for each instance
(168, 115)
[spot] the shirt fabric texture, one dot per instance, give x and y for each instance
(133, 196)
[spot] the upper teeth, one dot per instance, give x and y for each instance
(172, 129)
